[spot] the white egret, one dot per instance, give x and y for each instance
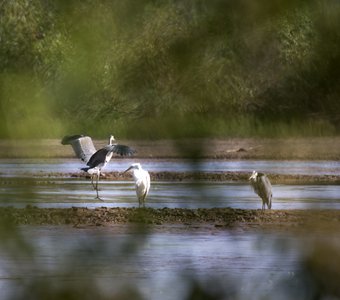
(95, 160)
(262, 187)
(142, 182)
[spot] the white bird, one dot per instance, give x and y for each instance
(95, 160)
(142, 182)
(262, 187)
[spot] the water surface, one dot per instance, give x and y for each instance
(68, 192)
(27, 166)
(251, 264)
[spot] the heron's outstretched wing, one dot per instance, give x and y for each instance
(82, 145)
(123, 150)
(98, 157)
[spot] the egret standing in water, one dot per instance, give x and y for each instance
(142, 182)
(262, 187)
(95, 160)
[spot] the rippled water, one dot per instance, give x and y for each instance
(159, 266)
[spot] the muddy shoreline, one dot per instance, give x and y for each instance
(218, 218)
(197, 176)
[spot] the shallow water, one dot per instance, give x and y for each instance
(68, 192)
(27, 166)
(253, 265)
(158, 265)
(18, 188)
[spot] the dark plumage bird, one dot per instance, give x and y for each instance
(262, 187)
(95, 160)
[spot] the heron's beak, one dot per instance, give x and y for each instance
(128, 169)
(253, 176)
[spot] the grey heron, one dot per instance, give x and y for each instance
(142, 182)
(95, 160)
(262, 187)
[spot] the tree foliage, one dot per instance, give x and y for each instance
(205, 65)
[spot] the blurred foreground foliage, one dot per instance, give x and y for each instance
(168, 69)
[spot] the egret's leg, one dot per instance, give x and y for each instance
(143, 200)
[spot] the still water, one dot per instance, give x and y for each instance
(19, 188)
(68, 192)
(29, 166)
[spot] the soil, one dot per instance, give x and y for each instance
(220, 176)
(217, 218)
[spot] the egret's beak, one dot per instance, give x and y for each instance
(128, 169)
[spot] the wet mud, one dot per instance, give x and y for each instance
(219, 218)
(215, 177)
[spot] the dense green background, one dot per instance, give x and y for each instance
(163, 69)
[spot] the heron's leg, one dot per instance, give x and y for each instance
(94, 187)
(98, 174)
(98, 196)
(95, 181)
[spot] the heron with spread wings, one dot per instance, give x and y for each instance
(262, 187)
(95, 160)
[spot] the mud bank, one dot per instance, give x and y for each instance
(196, 218)
(209, 176)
